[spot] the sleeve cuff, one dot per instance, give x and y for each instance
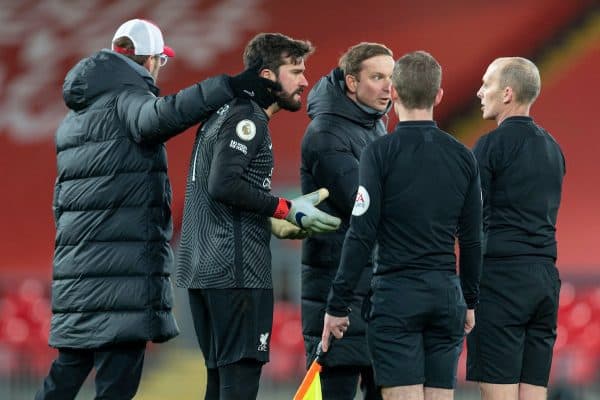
(283, 209)
(472, 302)
(338, 312)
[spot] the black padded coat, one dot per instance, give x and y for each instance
(112, 261)
(333, 142)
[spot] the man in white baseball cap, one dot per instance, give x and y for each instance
(142, 41)
(146, 37)
(111, 285)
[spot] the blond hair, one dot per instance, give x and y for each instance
(522, 76)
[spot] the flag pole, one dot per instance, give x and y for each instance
(310, 388)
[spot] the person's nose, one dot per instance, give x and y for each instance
(303, 81)
(388, 86)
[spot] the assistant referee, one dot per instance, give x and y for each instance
(419, 190)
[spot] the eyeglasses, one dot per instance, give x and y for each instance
(162, 59)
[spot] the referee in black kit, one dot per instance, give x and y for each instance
(522, 169)
(419, 189)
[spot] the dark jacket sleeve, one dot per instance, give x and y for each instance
(152, 119)
(469, 239)
(482, 153)
(361, 237)
(334, 167)
(231, 157)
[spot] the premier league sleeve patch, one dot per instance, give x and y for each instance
(361, 204)
(245, 129)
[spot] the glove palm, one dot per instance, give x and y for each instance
(304, 214)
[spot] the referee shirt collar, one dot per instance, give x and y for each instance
(517, 118)
(420, 124)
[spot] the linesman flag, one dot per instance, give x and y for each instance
(310, 388)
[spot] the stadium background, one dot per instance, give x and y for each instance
(41, 40)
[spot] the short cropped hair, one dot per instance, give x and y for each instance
(351, 61)
(417, 78)
(522, 76)
(269, 50)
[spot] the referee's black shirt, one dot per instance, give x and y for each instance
(522, 169)
(419, 188)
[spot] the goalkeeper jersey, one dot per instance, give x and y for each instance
(226, 230)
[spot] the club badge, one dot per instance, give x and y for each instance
(245, 129)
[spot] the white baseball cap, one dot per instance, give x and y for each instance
(146, 37)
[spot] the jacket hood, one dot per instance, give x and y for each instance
(100, 73)
(328, 96)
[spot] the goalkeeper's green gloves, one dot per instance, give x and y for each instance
(305, 215)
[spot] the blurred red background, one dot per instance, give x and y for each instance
(41, 40)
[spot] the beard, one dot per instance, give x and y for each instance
(286, 100)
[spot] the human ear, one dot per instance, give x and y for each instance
(507, 95)
(438, 97)
(268, 74)
(351, 83)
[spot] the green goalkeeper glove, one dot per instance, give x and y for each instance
(304, 214)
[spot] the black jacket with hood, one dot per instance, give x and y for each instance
(112, 260)
(333, 142)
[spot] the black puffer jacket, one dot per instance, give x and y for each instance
(112, 260)
(334, 140)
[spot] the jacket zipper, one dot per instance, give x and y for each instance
(195, 159)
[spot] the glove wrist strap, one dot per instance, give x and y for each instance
(283, 208)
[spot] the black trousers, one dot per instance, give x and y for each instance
(118, 372)
(339, 383)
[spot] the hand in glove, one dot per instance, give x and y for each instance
(251, 86)
(284, 230)
(304, 214)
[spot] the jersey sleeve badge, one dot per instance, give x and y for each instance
(245, 129)
(362, 202)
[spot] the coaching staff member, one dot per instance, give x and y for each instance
(418, 190)
(111, 285)
(346, 108)
(522, 169)
(225, 259)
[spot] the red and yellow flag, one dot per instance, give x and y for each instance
(310, 388)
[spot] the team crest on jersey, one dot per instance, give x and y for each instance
(361, 204)
(263, 346)
(245, 129)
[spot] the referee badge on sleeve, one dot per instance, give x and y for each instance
(245, 129)
(361, 204)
